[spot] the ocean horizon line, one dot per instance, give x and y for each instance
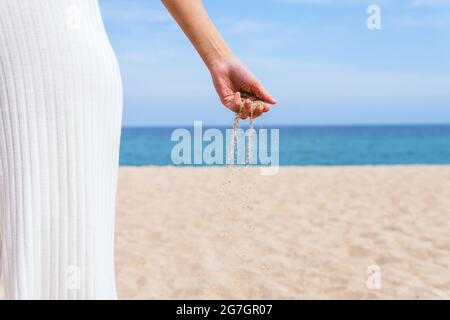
(337, 125)
(311, 145)
(288, 165)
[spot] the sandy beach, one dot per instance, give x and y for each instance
(305, 233)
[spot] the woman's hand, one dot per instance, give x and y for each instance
(231, 78)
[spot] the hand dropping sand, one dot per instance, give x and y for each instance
(233, 143)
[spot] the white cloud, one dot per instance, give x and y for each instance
(321, 93)
(325, 1)
(428, 14)
(428, 3)
(409, 3)
(133, 12)
(425, 21)
(335, 2)
(236, 26)
(312, 81)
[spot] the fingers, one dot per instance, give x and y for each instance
(235, 102)
(246, 110)
(259, 110)
(263, 94)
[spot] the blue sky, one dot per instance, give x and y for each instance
(317, 57)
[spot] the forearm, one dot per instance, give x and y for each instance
(192, 17)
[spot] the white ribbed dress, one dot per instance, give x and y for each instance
(60, 119)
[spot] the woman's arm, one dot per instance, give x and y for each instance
(229, 75)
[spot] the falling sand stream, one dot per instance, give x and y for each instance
(250, 131)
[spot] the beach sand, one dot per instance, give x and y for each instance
(305, 233)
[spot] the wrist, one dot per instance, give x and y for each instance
(219, 57)
(221, 61)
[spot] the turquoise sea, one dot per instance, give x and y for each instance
(314, 145)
